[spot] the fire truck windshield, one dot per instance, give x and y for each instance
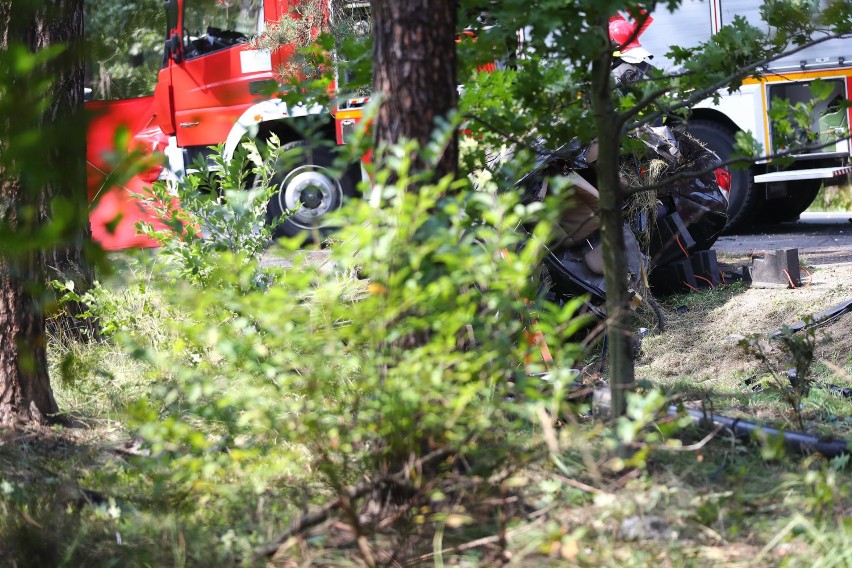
(211, 25)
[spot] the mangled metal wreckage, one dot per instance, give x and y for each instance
(668, 233)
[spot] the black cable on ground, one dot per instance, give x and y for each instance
(822, 318)
(661, 320)
(796, 441)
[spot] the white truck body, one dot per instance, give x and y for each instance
(697, 20)
(787, 78)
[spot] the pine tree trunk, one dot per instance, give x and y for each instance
(50, 182)
(619, 331)
(25, 395)
(414, 72)
(61, 22)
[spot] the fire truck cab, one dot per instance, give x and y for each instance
(213, 89)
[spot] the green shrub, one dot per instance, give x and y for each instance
(385, 383)
(214, 211)
(414, 343)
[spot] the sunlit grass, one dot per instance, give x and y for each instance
(833, 198)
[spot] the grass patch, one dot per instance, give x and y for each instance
(87, 492)
(833, 198)
(699, 359)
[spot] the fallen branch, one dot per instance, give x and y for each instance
(484, 541)
(314, 518)
(692, 447)
(580, 485)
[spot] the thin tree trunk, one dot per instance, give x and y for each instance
(414, 72)
(61, 22)
(619, 331)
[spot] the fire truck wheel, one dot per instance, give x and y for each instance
(788, 208)
(745, 200)
(309, 190)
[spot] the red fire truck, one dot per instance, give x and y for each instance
(210, 91)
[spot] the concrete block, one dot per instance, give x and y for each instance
(776, 269)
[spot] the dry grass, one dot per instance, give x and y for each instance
(698, 357)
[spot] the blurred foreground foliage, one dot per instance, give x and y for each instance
(384, 387)
(125, 47)
(381, 392)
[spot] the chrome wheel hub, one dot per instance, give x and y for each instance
(311, 192)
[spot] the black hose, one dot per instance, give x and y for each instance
(843, 392)
(796, 441)
(821, 318)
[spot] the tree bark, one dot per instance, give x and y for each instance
(414, 73)
(619, 331)
(44, 197)
(61, 22)
(25, 394)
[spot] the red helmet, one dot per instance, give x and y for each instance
(620, 31)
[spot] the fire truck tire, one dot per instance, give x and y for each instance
(745, 199)
(788, 208)
(309, 190)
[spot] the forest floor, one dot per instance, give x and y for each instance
(700, 354)
(76, 496)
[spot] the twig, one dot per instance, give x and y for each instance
(837, 369)
(692, 447)
(363, 545)
(547, 430)
(624, 479)
(702, 94)
(484, 541)
(301, 524)
(317, 517)
(391, 519)
(544, 510)
(579, 485)
(536, 149)
(501, 501)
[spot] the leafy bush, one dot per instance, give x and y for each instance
(386, 383)
(125, 47)
(413, 346)
(213, 211)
